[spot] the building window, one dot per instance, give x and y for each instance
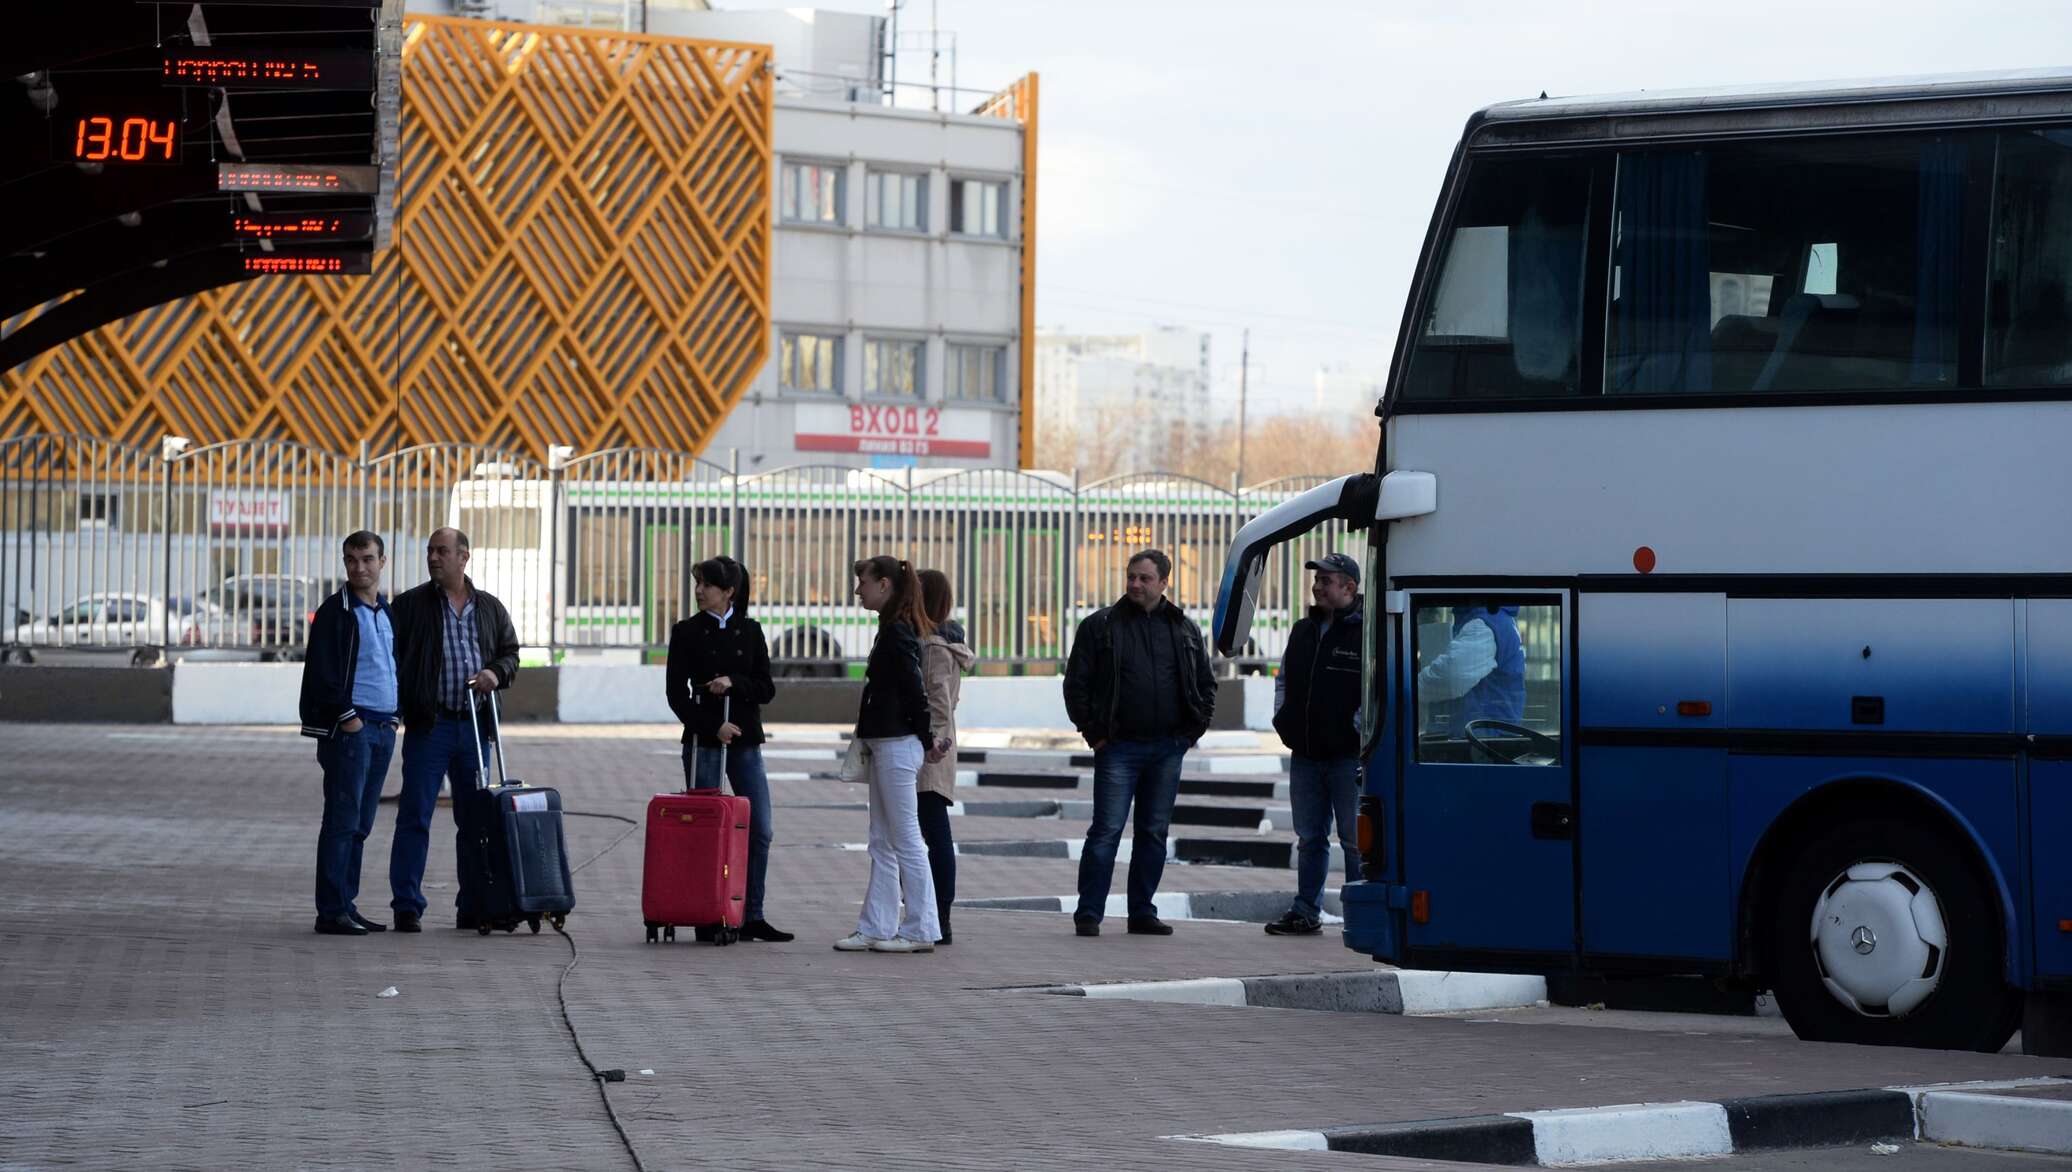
(976, 373)
(978, 208)
(892, 366)
(810, 362)
(813, 193)
(899, 201)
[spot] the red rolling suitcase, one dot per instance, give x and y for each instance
(696, 869)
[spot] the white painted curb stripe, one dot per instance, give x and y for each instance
(1199, 991)
(1426, 991)
(1289, 1141)
(1996, 1121)
(1639, 1131)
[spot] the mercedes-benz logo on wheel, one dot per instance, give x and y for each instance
(1865, 939)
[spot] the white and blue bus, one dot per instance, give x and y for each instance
(1720, 557)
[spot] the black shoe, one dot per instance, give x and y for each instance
(1294, 924)
(366, 923)
(408, 922)
(945, 942)
(338, 926)
(1149, 926)
(466, 923)
(761, 930)
(1086, 927)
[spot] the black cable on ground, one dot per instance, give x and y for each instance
(561, 995)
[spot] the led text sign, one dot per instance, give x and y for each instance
(296, 177)
(243, 69)
(293, 226)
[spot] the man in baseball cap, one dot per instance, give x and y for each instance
(1316, 713)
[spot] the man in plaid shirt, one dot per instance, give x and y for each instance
(450, 639)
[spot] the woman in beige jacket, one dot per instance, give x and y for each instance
(945, 658)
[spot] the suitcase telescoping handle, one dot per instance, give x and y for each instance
(496, 720)
(726, 713)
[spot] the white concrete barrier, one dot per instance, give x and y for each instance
(613, 694)
(237, 693)
(1012, 702)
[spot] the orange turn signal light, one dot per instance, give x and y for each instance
(1363, 833)
(1420, 907)
(1694, 708)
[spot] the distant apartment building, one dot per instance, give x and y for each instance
(899, 288)
(1155, 385)
(1343, 390)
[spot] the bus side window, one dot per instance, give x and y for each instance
(1505, 319)
(1488, 684)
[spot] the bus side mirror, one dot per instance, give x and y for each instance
(1407, 494)
(1348, 498)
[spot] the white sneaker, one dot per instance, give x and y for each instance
(900, 944)
(857, 942)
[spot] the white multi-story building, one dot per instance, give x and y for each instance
(1156, 384)
(897, 275)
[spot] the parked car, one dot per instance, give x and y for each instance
(264, 613)
(113, 620)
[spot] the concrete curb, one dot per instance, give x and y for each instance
(1570, 1137)
(1408, 993)
(1242, 907)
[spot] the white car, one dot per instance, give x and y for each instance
(111, 620)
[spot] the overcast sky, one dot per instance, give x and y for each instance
(1219, 165)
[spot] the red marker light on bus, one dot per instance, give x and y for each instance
(1694, 708)
(1644, 559)
(1420, 907)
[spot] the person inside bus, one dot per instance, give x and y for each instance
(1480, 675)
(1316, 711)
(892, 722)
(1139, 689)
(718, 680)
(945, 658)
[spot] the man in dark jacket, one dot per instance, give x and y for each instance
(1139, 689)
(349, 706)
(1317, 712)
(450, 639)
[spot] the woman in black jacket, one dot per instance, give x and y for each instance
(893, 726)
(718, 681)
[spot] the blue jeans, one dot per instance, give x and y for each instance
(354, 766)
(1318, 793)
(447, 750)
(745, 777)
(1149, 773)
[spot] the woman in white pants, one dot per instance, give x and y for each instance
(893, 724)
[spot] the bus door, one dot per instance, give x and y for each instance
(1487, 815)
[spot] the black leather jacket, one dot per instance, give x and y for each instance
(894, 702)
(1091, 674)
(1319, 707)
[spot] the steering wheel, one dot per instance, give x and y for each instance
(1534, 741)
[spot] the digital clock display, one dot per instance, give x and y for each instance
(268, 69)
(293, 226)
(309, 263)
(120, 138)
(296, 177)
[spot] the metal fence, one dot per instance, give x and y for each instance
(224, 550)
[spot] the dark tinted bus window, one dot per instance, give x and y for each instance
(1802, 265)
(1505, 319)
(2029, 306)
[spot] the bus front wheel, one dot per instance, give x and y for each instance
(1886, 934)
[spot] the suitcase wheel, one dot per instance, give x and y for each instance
(482, 929)
(558, 920)
(653, 930)
(669, 934)
(533, 922)
(724, 935)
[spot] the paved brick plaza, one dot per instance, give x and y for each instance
(166, 1003)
